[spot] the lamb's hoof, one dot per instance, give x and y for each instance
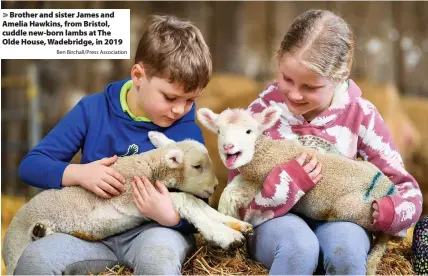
(39, 231)
(235, 245)
(249, 232)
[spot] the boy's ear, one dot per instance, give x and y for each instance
(137, 72)
(268, 117)
(159, 139)
(174, 158)
(207, 118)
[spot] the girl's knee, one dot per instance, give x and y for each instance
(298, 248)
(345, 260)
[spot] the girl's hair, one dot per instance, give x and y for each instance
(323, 41)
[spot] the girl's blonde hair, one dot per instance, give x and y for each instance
(323, 41)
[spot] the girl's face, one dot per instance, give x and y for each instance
(304, 91)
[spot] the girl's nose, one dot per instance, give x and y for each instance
(295, 95)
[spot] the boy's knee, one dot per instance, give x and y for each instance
(35, 261)
(159, 260)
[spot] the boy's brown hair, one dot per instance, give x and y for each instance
(175, 50)
(324, 42)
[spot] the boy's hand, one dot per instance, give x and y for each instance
(312, 168)
(154, 203)
(98, 178)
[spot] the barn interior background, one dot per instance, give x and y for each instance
(391, 63)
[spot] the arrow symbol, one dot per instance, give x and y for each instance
(4, 14)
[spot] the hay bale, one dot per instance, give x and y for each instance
(416, 108)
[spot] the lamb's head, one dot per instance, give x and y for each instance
(189, 167)
(238, 130)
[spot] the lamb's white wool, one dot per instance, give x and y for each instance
(183, 165)
(235, 140)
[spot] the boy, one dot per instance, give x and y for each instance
(172, 66)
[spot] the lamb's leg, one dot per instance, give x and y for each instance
(237, 194)
(239, 225)
(40, 230)
(191, 208)
(16, 239)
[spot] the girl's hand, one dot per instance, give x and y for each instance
(154, 203)
(312, 168)
(96, 177)
(375, 215)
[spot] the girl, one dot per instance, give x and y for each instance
(323, 108)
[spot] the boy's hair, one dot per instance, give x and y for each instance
(323, 41)
(174, 50)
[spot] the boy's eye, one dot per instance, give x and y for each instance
(168, 98)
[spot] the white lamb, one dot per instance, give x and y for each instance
(344, 193)
(184, 165)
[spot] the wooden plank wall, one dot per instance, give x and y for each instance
(392, 46)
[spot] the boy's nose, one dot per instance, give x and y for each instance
(178, 109)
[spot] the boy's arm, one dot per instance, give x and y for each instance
(180, 132)
(396, 212)
(44, 165)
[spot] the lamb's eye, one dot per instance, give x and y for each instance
(197, 167)
(218, 131)
(249, 131)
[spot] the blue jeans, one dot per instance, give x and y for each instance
(294, 245)
(148, 249)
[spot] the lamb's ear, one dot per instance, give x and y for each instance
(207, 118)
(159, 139)
(174, 158)
(268, 117)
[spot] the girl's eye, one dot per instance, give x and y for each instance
(310, 88)
(287, 79)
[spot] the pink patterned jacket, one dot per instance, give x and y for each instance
(352, 127)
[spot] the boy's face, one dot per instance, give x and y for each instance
(161, 101)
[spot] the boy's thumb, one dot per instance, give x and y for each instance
(108, 160)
